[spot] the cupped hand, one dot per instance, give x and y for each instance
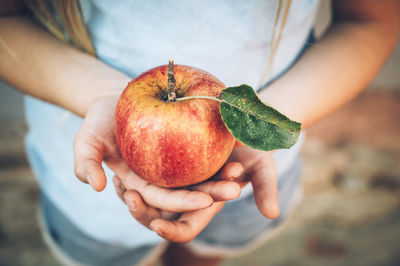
(95, 143)
(184, 226)
(244, 165)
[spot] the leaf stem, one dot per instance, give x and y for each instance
(198, 97)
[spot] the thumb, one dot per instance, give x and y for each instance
(230, 171)
(265, 188)
(233, 171)
(88, 156)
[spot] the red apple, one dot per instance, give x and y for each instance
(172, 143)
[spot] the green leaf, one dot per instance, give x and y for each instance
(254, 123)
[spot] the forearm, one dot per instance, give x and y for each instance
(334, 70)
(38, 64)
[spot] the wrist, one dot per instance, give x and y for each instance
(98, 82)
(110, 87)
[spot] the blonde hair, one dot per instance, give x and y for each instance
(63, 19)
(275, 39)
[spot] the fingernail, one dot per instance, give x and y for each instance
(131, 204)
(158, 231)
(89, 178)
(154, 228)
(211, 204)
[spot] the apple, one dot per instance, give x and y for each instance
(172, 143)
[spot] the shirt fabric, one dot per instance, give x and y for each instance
(230, 39)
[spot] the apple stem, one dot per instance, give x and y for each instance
(198, 97)
(171, 81)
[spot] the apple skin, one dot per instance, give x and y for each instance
(172, 144)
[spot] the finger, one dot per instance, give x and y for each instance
(223, 190)
(119, 187)
(88, 156)
(233, 171)
(142, 212)
(188, 226)
(230, 171)
(173, 200)
(219, 190)
(176, 200)
(265, 188)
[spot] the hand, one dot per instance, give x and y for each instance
(186, 226)
(244, 165)
(95, 143)
(259, 168)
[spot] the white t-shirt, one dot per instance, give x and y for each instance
(230, 39)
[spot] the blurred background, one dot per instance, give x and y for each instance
(350, 212)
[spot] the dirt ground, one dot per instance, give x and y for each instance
(349, 215)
